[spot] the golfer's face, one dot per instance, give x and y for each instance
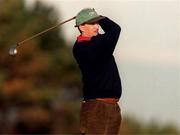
(90, 30)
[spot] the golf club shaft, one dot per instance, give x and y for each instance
(44, 31)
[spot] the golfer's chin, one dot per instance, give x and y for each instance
(95, 34)
(92, 34)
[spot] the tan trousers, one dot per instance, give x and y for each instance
(98, 117)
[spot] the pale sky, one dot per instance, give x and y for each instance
(147, 53)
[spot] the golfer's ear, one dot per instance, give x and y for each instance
(81, 27)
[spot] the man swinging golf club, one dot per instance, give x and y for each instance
(100, 112)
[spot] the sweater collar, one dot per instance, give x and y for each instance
(83, 38)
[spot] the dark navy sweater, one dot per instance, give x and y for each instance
(95, 59)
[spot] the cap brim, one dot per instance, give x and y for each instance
(95, 20)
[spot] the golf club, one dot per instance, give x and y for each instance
(13, 49)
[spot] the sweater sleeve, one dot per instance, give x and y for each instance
(108, 40)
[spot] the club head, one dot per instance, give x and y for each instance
(13, 50)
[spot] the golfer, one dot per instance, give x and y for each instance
(100, 112)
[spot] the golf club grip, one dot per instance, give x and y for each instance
(44, 31)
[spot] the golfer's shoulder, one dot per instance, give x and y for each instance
(82, 45)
